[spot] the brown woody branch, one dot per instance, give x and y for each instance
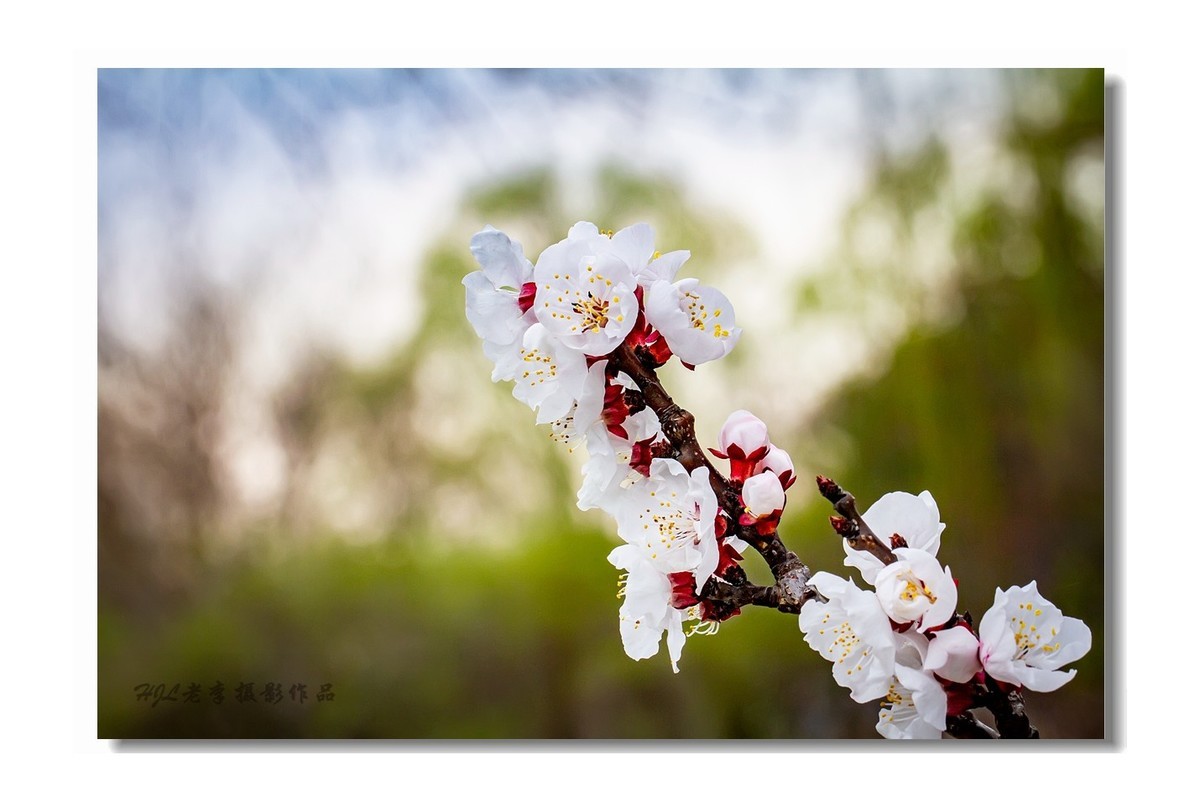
(791, 589)
(679, 427)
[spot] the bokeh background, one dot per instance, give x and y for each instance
(306, 476)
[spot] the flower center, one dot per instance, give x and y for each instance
(593, 310)
(914, 588)
(1027, 636)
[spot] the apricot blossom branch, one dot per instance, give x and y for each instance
(581, 335)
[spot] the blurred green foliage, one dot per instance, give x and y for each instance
(506, 626)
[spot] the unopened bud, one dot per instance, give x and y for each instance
(829, 489)
(743, 436)
(778, 462)
(763, 495)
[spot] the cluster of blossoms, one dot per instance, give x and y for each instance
(599, 306)
(550, 328)
(904, 643)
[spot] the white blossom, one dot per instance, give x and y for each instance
(1024, 640)
(609, 470)
(696, 321)
(916, 588)
(646, 611)
(585, 292)
(851, 631)
(915, 518)
(547, 376)
(671, 518)
(915, 704)
(572, 428)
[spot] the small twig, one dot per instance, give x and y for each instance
(851, 525)
(1009, 709)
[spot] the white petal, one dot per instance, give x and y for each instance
(1040, 680)
(583, 230)
(634, 245)
(1076, 639)
(915, 518)
(852, 632)
(675, 638)
(503, 261)
(663, 268)
(763, 494)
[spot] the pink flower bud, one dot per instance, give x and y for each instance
(779, 463)
(763, 495)
(743, 437)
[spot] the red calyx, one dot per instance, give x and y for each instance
(727, 558)
(960, 698)
(646, 341)
(741, 464)
(616, 411)
(683, 590)
(766, 526)
(644, 451)
(525, 299)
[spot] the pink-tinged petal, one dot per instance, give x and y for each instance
(953, 654)
(744, 430)
(778, 462)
